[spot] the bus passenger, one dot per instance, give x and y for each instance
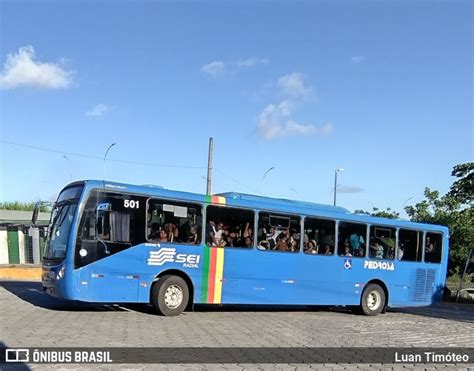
(312, 247)
(282, 244)
(154, 232)
(401, 250)
(377, 250)
(305, 242)
(163, 236)
(248, 242)
(272, 236)
(327, 250)
(193, 237)
(356, 241)
(294, 244)
(248, 232)
(347, 251)
(429, 250)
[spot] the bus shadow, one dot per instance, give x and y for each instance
(452, 311)
(32, 292)
(203, 308)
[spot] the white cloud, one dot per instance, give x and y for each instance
(294, 85)
(98, 110)
(22, 70)
(349, 189)
(275, 122)
(214, 69)
(252, 62)
(358, 59)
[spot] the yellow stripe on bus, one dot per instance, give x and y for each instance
(218, 279)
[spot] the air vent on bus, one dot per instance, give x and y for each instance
(423, 287)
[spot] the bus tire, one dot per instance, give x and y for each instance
(372, 301)
(170, 295)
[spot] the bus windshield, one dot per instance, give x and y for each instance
(61, 221)
(59, 231)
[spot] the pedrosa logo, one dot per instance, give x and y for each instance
(386, 266)
(169, 255)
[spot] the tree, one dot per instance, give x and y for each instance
(463, 188)
(388, 213)
(21, 206)
(455, 210)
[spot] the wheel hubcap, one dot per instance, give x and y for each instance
(374, 300)
(173, 296)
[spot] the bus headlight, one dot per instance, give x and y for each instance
(60, 273)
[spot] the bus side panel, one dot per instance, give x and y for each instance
(127, 276)
(407, 283)
(270, 277)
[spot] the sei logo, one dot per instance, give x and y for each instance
(168, 255)
(188, 260)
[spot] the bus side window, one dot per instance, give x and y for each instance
(174, 222)
(410, 245)
(229, 227)
(382, 242)
(104, 232)
(351, 239)
(319, 236)
(433, 248)
(279, 232)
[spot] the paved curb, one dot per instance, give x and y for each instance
(20, 272)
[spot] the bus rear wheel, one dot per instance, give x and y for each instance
(170, 295)
(372, 301)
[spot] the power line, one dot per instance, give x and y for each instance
(236, 181)
(125, 161)
(101, 158)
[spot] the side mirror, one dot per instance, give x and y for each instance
(34, 218)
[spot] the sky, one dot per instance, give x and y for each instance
(382, 89)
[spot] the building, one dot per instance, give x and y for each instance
(20, 241)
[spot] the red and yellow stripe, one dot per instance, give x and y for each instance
(212, 275)
(216, 200)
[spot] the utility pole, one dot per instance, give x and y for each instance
(335, 183)
(209, 167)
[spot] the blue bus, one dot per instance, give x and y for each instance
(121, 243)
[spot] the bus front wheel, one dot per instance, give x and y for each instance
(373, 300)
(170, 295)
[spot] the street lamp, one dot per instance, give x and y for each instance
(335, 183)
(70, 167)
(263, 179)
(105, 157)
